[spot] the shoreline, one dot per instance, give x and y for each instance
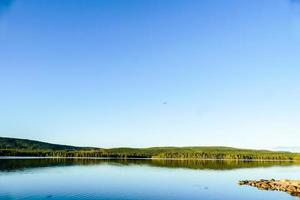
(138, 158)
(291, 187)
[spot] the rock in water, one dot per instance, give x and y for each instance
(290, 186)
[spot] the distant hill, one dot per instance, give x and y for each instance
(23, 147)
(14, 143)
(289, 149)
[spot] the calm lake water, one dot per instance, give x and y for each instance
(138, 179)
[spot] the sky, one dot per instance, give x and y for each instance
(143, 73)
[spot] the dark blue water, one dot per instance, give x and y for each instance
(137, 180)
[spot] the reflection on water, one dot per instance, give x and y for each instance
(91, 179)
(23, 164)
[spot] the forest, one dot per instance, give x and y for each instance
(29, 148)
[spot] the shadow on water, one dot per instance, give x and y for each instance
(11, 165)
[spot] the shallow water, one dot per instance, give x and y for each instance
(138, 179)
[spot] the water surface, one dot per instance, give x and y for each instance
(138, 179)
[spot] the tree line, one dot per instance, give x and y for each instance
(158, 154)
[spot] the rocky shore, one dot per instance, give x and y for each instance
(290, 186)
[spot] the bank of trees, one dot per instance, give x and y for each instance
(246, 155)
(30, 148)
(166, 153)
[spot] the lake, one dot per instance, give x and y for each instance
(90, 179)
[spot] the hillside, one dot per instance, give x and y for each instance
(13, 143)
(21, 147)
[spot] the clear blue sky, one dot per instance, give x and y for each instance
(151, 72)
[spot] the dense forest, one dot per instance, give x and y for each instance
(20, 147)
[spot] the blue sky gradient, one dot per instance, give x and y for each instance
(151, 72)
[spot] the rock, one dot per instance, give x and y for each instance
(289, 186)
